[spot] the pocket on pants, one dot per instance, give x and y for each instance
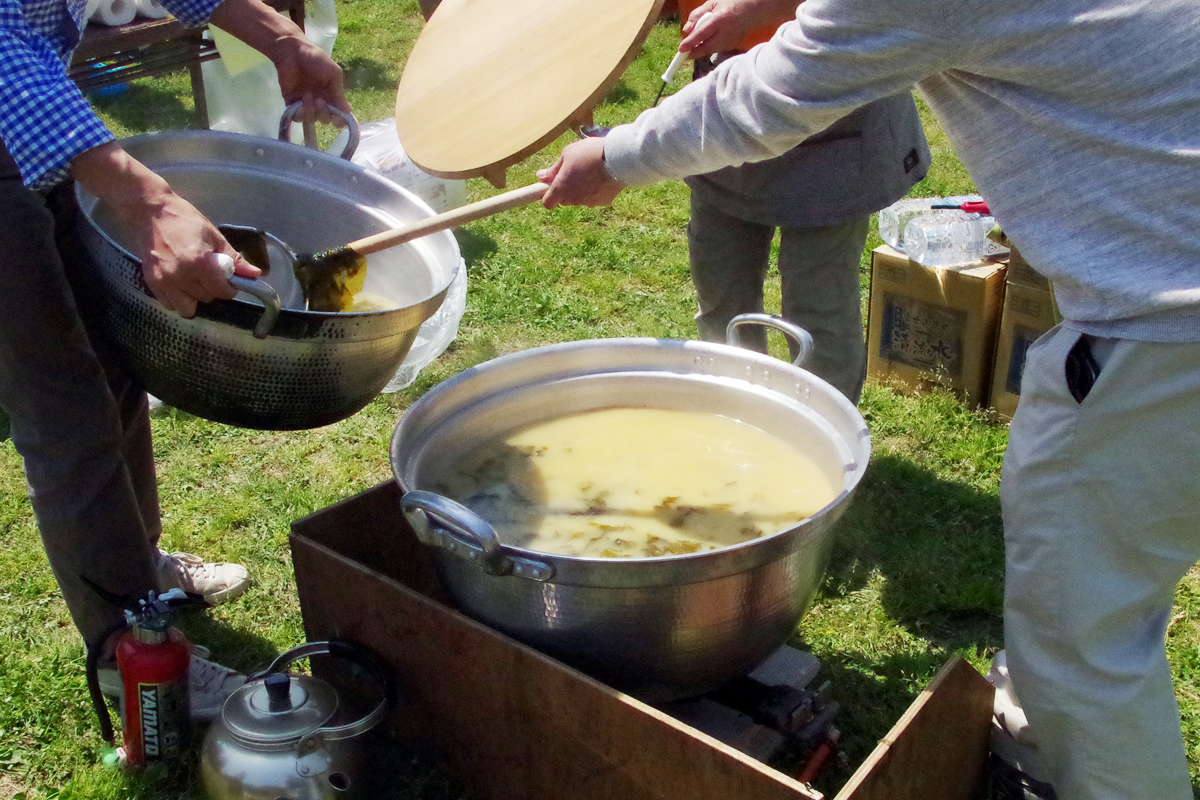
(1081, 369)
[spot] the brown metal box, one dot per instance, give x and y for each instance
(512, 724)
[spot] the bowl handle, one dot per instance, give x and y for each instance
(441, 522)
(803, 339)
(289, 113)
(270, 300)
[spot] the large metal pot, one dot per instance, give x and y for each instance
(660, 628)
(306, 369)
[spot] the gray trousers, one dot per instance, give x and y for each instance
(79, 423)
(818, 270)
(1101, 505)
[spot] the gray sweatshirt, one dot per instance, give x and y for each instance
(1079, 121)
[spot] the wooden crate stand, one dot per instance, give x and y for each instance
(512, 724)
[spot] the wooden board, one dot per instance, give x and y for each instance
(505, 720)
(490, 82)
(939, 748)
(512, 724)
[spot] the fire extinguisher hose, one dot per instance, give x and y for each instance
(93, 679)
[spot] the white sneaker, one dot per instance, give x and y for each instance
(217, 582)
(209, 685)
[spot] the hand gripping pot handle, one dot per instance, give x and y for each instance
(803, 339)
(338, 649)
(441, 522)
(252, 286)
(289, 114)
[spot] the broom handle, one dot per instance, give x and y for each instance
(449, 219)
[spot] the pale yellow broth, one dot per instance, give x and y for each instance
(637, 482)
(372, 301)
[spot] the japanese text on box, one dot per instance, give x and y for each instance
(922, 335)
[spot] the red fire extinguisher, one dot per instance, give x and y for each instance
(152, 658)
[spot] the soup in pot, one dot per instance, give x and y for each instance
(636, 482)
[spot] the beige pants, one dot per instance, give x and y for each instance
(1101, 504)
(818, 271)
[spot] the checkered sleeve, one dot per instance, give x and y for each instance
(192, 13)
(44, 119)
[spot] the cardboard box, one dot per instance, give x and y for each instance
(513, 724)
(1022, 272)
(934, 326)
(1029, 311)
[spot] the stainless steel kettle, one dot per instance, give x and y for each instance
(275, 738)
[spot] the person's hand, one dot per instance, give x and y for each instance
(728, 23)
(306, 72)
(579, 177)
(176, 244)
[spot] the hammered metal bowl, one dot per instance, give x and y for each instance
(312, 368)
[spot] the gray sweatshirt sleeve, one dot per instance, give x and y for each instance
(836, 56)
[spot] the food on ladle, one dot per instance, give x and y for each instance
(330, 279)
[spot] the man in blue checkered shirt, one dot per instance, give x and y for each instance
(81, 425)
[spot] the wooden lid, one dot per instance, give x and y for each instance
(490, 82)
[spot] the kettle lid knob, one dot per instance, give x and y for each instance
(278, 707)
(279, 690)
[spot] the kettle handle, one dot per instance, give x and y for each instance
(338, 648)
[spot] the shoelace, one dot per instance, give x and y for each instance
(189, 567)
(205, 676)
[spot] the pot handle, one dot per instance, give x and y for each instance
(802, 338)
(260, 289)
(289, 114)
(466, 535)
(338, 648)
(270, 301)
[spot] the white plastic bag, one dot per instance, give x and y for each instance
(321, 23)
(243, 96)
(435, 334)
(379, 150)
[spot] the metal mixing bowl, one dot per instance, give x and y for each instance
(311, 368)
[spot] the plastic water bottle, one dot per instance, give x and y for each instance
(893, 218)
(940, 238)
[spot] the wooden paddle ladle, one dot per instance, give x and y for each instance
(331, 278)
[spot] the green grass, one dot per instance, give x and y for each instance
(916, 576)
